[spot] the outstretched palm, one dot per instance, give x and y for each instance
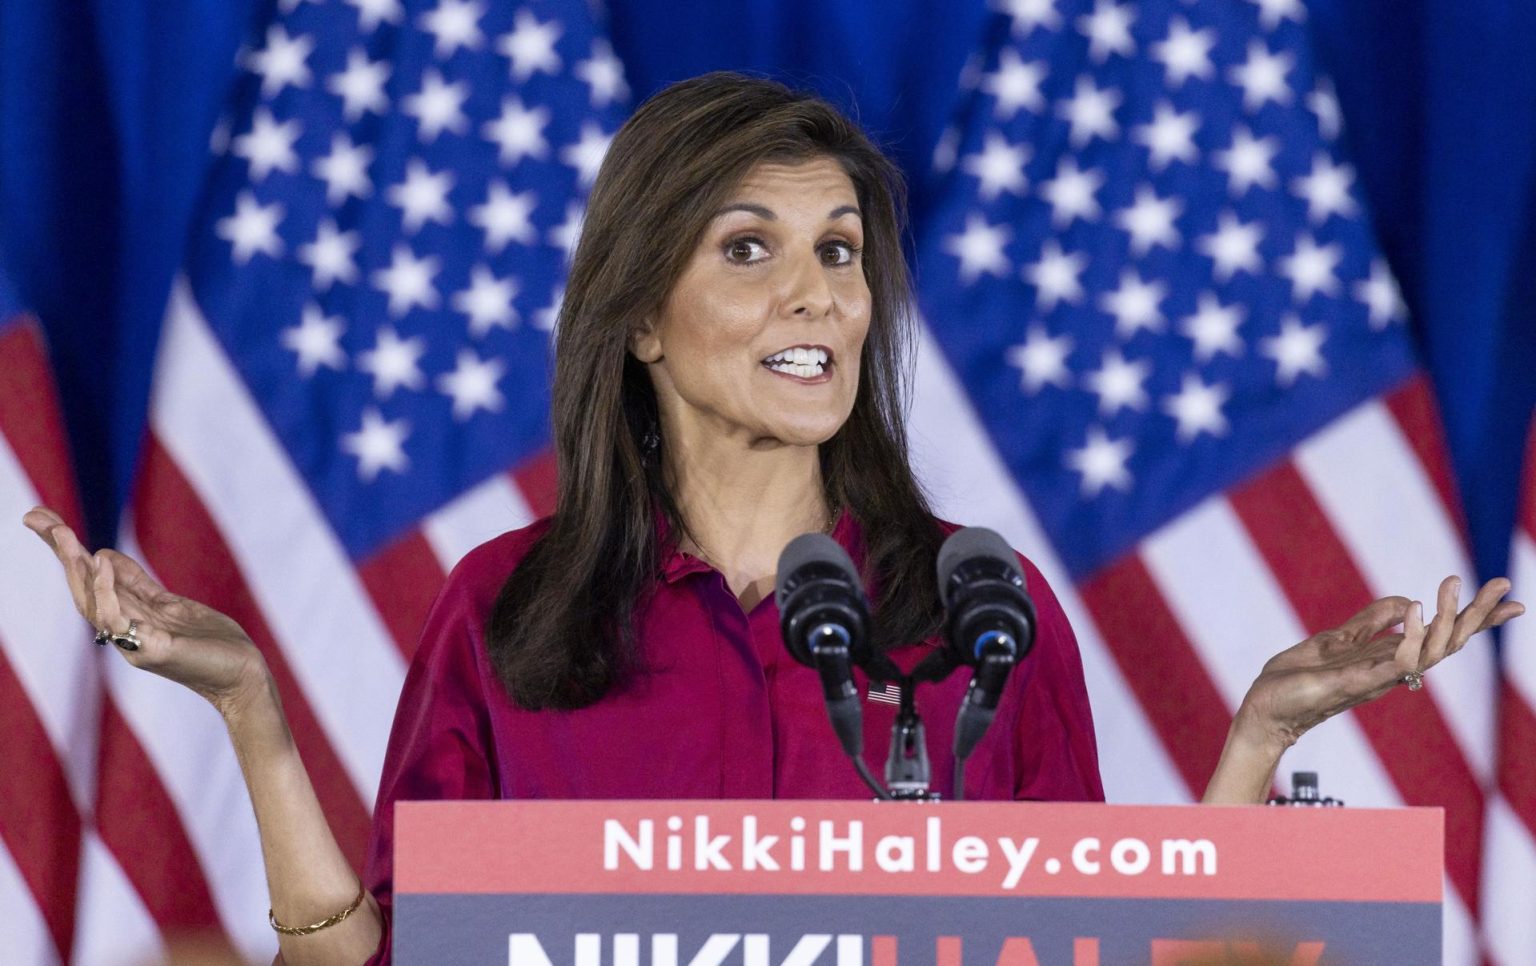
(182, 639)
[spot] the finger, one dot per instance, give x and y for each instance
(1376, 617)
(1437, 639)
(40, 520)
(109, 610)
(132, 576)
(1506, 611)
(1471, 619)
(1410, 649)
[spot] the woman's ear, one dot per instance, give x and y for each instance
(644, 343)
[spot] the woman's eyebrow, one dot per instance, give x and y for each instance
(767, 214)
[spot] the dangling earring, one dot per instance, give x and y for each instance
(650, 443)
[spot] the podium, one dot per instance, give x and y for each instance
(794, 883)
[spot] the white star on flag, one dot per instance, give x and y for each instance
(1135, 304)
(408, 281)
(979, 248)
(1213, 328)
(1271, 12)
(1326, 189)
(438, 106)
(268, 145)
(422, 196)
(1311, 268)
(454, 24)
(1185, 53)
(505, 217)
(329, 256)
(1119, 384)
(1262, 76)
(1234, 246)
(282, 62)
(472, 385)
(1169, 137)
(531, 46)
(317, 341)
(1149, 221)
(1296, 350)
(998, 167)
(394, 363)
(361, 85)
(1101, 461)
(565, 235)
(604, 74)
(1072, 193)
(378, 445)
(487, 302)
(586, 155)
(1382, 298)
(1042, 360)
(371, 13)
(1057, 276)
(1249, 162)
(344, 170)
(1196, 408)
(252, 228)
(1014, 85)
(1108, 30)
(1090, 112)
(519, 131)
(1029, 14)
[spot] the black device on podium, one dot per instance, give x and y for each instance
(989, 626)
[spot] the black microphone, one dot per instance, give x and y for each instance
(990, 623)
(825, 622)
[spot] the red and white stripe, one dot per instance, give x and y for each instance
(1509, 874)
(220, 514)
(1173, 633)
(48, 683)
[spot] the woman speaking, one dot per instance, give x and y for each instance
(729, 371)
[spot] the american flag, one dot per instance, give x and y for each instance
(1510, 870)
(1166, 359)
(1163, 358)
(350, 392)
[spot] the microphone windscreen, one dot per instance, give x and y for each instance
(968, 544)
(809, 548)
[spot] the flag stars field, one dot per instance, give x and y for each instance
(1015, 85)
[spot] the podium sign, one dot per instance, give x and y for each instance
(885, 884)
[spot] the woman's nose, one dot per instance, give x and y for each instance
(808, 291)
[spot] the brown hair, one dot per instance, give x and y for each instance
(561, 634)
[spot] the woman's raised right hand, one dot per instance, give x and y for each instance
(182, 640)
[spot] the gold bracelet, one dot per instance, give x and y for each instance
(322, 924)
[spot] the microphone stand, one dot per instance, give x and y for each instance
(907, 771)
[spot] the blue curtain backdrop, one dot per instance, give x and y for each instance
(106, 108)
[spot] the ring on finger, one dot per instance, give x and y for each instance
(102, 638)
(129, 639)
(1414, 680)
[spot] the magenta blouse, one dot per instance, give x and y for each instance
(723, 712)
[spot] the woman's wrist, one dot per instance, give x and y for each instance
(1252, 752)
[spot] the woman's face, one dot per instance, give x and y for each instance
(759, 340)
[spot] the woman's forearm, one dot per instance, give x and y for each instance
(308, 877)
(1246, 770)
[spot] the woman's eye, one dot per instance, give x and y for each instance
(838, 253)
(745, 250)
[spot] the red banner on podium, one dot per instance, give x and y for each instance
(955, 884)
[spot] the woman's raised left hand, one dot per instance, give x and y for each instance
(1335, 670)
